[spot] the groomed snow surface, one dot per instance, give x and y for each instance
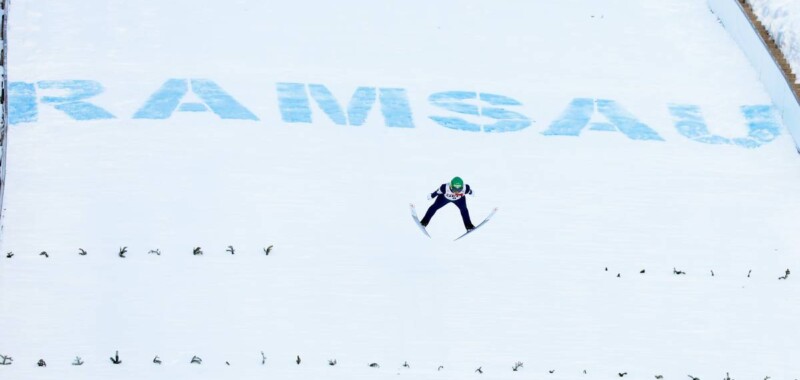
(635, 136)
(782, 20)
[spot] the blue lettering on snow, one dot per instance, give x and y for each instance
(507, 121)
(573, 119)
(293, 103)
(357, 109)
(192, 107)
(761, 124)
(578, 113)
(295, 107)
(395, 108)
(163, 103)
(72, 104)
(22, 106)
(606, 127)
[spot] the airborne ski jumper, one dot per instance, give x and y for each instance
(454, 192)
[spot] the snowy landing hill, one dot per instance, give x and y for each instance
(615, 137)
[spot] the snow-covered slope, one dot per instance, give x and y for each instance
(782, 20)
(611, 134)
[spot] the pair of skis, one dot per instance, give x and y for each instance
(421, 227)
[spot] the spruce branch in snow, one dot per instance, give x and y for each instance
(154, 251)
(332, 362)
(479, 370)
(712, 273)
(123, 251)
(641, 271)
(727, 376)
(298, 360)
(584, 372)
(785, 276)
(267, 250)
(156, 360)
(441, 367)
(622, 374)
(551, 371)
(767, 378)
(9, 255)
(81, 252)
(406, 365)
(748, 273)
(197, 251)
(263, 358)
(231, 250)
(659, 377)
(196, 360)
(77, 361)
(228, 363)
(606, 269)
(41, 363)
(677, 272)
(374, 365)
(693, 378)
(116, 359)
(44, 253)
(6, 360)
(619, 275)
(516, 366)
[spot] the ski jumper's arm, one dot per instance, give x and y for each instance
(438, 191)
(467, 189)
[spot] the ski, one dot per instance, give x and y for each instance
(416, 220)
(479, 224)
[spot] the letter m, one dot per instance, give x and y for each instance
(294, 104)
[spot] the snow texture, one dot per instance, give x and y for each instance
(782, 20)
(624, 147)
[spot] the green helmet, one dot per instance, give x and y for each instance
(456, 184)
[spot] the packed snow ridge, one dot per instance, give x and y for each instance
(782, 20)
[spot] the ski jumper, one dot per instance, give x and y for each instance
(444, 196)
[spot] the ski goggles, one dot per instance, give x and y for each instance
(456, 189)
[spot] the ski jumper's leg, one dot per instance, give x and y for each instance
(462, 206)
(437, 204)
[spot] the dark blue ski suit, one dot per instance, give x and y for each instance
(444, 196)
